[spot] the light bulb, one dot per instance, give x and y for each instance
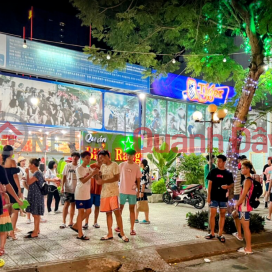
(173, 61)
(108, 57)
(63, 132)
(24, 44)
(30, 132)
(224, 60)
(142, 96)
(92, 100)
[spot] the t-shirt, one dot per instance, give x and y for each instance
(95, 188)
(21, 175)
(129, 173)
(264, 176)
(108, 172)
(82, 191)
(268, 173)
(71, 179)
(218, 178)
(51, 174)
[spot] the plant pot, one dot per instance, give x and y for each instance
(155, 198)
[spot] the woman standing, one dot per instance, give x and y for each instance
(53, 182)
(35, 197)
(143, 196)
(243, 207)
(22, 177)
(12, 171)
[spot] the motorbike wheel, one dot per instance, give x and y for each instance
(167, 198)
(201, 201)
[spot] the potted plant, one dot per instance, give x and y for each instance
(157, 188)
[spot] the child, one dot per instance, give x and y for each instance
(5, 222)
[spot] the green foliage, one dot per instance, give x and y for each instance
(192, 167)
(163, 158)
(216, 151)
(158, 187)
(199, 220)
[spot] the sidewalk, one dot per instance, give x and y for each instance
(168, 230)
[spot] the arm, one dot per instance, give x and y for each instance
(114, 179)
(91, 175)
(29, 181)
(7, 200)
(63, 182)
(11, 191)
(270, 185)
(16, 178)
(25, 184)
(209, 191)
(245, 191)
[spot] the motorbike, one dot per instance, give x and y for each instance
(190, 195)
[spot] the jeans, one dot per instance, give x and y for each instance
(53, 191)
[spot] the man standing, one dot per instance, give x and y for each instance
(220, 180)
(68, 187)
(109, 194)
(130, 179)
(95, 195)
(207, 170)
(267, 168)
(82, 192)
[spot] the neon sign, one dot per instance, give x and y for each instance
(204, 92)
(120, 155)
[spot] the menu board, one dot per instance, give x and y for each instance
(59, 63)
(121, 112)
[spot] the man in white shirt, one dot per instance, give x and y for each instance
(68, 186)
(83, 193)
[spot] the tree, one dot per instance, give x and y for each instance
(153, 33)
(163, 158)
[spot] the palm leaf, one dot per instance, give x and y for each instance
(151, 158)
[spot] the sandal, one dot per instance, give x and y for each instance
(74, 229)
(243, 250)
(133, 232)
(105, 238)
(235, 234)
(30, 232)
(2, 252)
(117, 229)
(70, 226)
(136, 220)
(63, 226)
(124, 238)
(29, 236)
(85, 227)
(267, 218)
(209, 236)
(83, 237)
(221, 238)
(96, 226)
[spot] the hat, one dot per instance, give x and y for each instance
(69, 159)
(21, 158)
(131, 152)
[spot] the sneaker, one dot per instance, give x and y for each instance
(51, 213)
(28, 221)
(43, 220)
(145, 222)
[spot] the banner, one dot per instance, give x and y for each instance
(121, 112)
(58, 63)
(155, 118)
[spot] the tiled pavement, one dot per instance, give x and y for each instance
(168, 225)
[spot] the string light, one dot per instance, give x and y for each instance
(108, 57)
(173, 61)
(224, 60)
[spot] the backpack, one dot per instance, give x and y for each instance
(256, 194)
(45, 189)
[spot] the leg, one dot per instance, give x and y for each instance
(49, 201)
(109, 223)
(96, 213)
(132, 216)
(65, 211)
(147, 215)
(57, 199)
(222, 221)
(136, 213)
(270, 210)
(80, 218)
(212, 219)
(3, 238)
(247, 234)
(119, 221)
(238, 227)
(36, 225)
(14, 218)
(72, 212)
(28, 216)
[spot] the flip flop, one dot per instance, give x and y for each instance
(83, 237)
(74, 229)
(267, 218)
(243, 250)
(105, 238)
(30, 237)
(85, 227)
(63, 226)
(221, 238)
(124, 238)
(70, 226)
(235, 234)
(209, 237)
(2, 252)
(133, 232)
(30, 232)
(117, 229)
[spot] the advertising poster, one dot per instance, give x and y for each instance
(217, 128)
(193, 127)
(156, 115)
(55, 104)
(176, 118)
(121, 112)
(227, 126)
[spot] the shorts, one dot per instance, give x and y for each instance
(83, 204)
(132, 199)
(216, 204)
(246, 215)
(236, 197)
(95, 200)
(267, 186)
(143, 198)
(69, 197)
(109, 204)
(86, 116)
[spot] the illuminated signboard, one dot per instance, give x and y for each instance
(116, 144)
(191, 90)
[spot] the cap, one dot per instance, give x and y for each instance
(21, 158)
(131, 152)
(69, 159)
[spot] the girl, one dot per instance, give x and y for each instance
(243, 206)
(5, 222)
(35, 197)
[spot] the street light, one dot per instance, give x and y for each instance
(216, 117)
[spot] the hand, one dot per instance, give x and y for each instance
(209, 200)
(141, 195)
(27, 171)
(99, 181)
(95, 172)
(225, 187)
(62, 190)
(20, 202)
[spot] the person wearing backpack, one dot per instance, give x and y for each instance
(243, 206)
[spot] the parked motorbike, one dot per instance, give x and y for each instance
(190, 195)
